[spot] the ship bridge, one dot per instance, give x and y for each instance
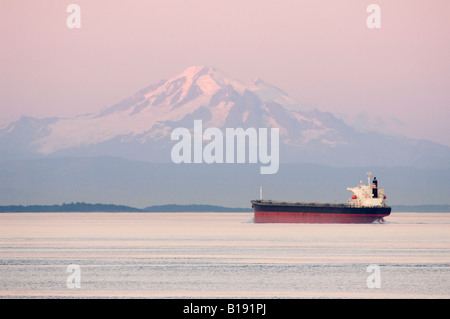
(368, 195)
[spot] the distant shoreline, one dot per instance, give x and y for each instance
(112, 208)
(421, 208)
(175, 208)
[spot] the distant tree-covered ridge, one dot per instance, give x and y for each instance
(422, 208)
(87, 207)
(71, 207)
(193, 208)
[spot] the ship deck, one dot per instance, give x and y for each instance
(313, 204)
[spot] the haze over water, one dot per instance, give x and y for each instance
(221, 255)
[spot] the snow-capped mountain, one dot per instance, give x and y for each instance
(139, 127)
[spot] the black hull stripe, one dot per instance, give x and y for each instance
(323, 209)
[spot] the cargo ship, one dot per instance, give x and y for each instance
(366, 205)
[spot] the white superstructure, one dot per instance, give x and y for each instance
(368, 195)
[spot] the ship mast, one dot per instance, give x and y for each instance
(369, 175)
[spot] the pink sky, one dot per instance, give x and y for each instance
(318, 51)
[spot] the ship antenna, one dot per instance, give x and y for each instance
(260, 192)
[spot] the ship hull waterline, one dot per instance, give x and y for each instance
(320, 213)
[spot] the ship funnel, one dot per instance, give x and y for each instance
(375, 188)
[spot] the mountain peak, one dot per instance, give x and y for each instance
(206, 79)
(194, 70)
(259, 81)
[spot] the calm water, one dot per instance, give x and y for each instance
(221, 255)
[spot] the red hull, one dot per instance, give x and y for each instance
(298, 217)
